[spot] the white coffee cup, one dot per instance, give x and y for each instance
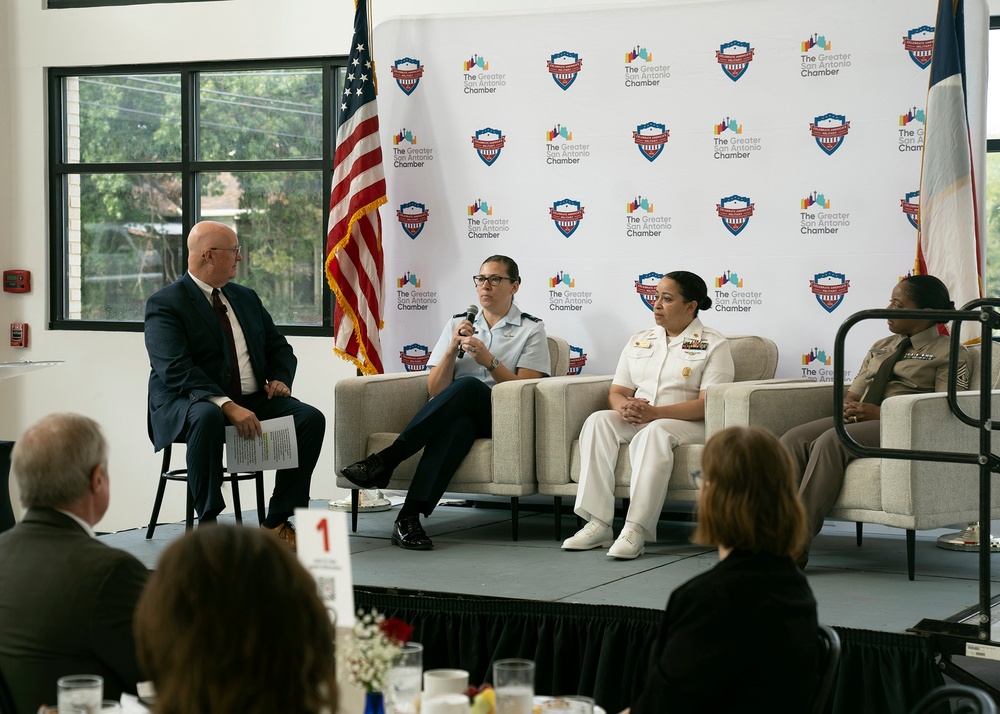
(445, 681)
(444, 704)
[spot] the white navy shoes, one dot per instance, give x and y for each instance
(592, 535)
(630, 544)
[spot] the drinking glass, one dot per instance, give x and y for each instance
(80, 694)
(402, 686)
(514, 684)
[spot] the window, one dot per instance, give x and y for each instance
(140, 154)
(991, 231)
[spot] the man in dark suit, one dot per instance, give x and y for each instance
(217, 359)
(66, 599)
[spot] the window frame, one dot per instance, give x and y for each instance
(67, 4)
(993, 145)
(188, 167)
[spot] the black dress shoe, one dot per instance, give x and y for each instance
(408, 533)
(370, 472)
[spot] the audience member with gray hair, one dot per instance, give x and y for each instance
(66, 599)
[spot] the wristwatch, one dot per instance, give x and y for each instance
(494, 364)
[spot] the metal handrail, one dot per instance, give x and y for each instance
(984, 459)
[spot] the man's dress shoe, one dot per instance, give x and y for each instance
(409, 534)
(284, 534)
(368, 473)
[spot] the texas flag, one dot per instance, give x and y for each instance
(948, 238)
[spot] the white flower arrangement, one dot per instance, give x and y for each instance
(376, 643)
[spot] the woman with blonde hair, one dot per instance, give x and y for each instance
(231, 623)
(744, 634)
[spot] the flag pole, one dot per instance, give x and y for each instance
(355, 261)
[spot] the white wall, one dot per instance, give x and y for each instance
(104, 375)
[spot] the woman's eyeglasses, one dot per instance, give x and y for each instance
(493, 280)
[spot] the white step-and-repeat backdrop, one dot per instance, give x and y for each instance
(772, 147)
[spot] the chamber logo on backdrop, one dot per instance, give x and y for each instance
(577, 360)
(817, 363)
(563, 294)
(408, 279)
(919, 43)
(816, 216)
(407, 73)
(476, 62)
(404, 136)
(560, 148)
(817, 42)
(829, 130)
(731, 294)
(409, 296)
(910, 204)
(478, 78)
(564, 68)
(645, 288)
(829, 288)
(482, 223)
(567, 215)
(818, 59)
(414, 357)
(735, 212)
(488, 143)
(405, 152)
(816, 358)
(641, 72)
(640, 221)
(730, 142)
(911, 130)
(413, 217)
(734, 58)
(651, 138)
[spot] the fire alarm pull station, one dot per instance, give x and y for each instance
(17, 281)
(19, 334)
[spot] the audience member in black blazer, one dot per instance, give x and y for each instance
(199, 384)
(743, 635)
(66, 599)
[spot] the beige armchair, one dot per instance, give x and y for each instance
(370, 412)
(564, 403)
(913, 495)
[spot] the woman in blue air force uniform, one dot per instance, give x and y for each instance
(500, 343)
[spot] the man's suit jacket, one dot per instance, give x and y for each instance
(189, 356)
(66, 606)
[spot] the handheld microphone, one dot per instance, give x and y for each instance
(470, 314)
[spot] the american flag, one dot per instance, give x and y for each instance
(354, 262)
(948, 241)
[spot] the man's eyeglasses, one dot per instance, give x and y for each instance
(238, 250)
(494, 280)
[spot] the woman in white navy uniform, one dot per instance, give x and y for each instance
(657, 402)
